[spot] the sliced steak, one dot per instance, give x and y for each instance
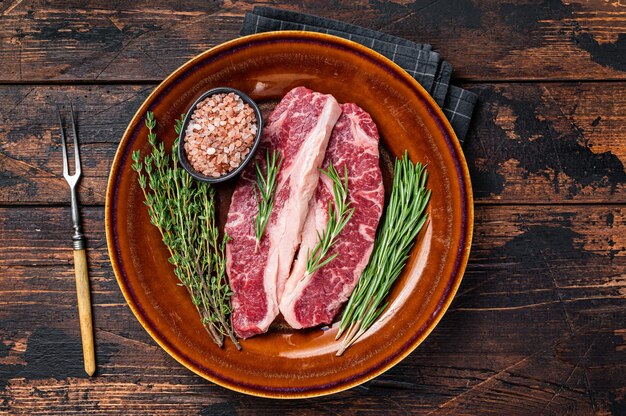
(314, 299)
(299, 127)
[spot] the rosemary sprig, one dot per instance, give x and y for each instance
(266, 185)
(337, 219)
(404, 217)
(184, 212)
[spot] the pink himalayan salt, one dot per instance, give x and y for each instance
(220, 134)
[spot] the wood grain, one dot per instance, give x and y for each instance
(530, 143)
(83, 298)
(538, 327)
(492, 40)
(548, 142)
(539, 323)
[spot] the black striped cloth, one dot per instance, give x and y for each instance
(418, 59)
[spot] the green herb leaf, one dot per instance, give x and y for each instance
(337, 219)
(266, 189)
(184, 212)
(404, 217)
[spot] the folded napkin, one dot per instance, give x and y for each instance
(418, 59)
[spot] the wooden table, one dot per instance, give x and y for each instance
(539, 323)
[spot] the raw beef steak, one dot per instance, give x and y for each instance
(299, 127)
(314, 299)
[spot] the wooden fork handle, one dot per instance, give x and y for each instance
(84, 310)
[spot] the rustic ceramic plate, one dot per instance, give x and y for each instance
(285, 363)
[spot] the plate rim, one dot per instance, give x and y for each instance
(461, 258)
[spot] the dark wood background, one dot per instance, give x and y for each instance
(539, 323)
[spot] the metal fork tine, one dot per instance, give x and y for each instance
(66, 168)
(76, 151)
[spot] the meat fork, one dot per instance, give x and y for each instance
(80, 257)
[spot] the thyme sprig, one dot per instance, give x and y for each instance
(404, 217)
(337, 219)
(266, 186)
(184, 212)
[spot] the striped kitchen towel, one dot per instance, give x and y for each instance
(418, 59)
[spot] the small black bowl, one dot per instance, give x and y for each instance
(182, 154)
